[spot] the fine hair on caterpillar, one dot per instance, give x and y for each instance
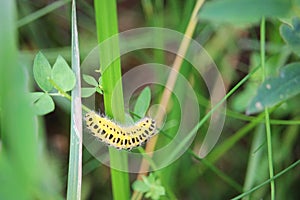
(119, 136)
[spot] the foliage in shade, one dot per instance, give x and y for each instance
(26, 171)
(277, 89)
(291, 35)
(225, 30)
(89, 91)
(150, 186)
(42, 103)
(42, 72)
(60, 74)
(142, 103)
(90, 80)
(243, 12)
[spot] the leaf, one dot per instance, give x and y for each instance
(277, 89)
(90, 80)
(150, 186)
(87, 92)
(142, 103)
(42, 103)
(243, 98)
(99, 90)
(41, 72)
(291, 35)
(140, 186)
(243, 12)
(62, 75)
(34, 96)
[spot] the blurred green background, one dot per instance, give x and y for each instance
(34, 150)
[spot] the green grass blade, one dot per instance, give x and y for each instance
(22, 160)
(267, 181)
(267, 116)
(107, 25)
(75, 160)
(142, 104)
(255, 157)
(17, 141)
(230, 181)
(41, 12)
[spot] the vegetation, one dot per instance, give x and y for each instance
(46, 88)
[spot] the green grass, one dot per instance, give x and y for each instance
(75, 158)
(267, 115)
(107, 25)
(26, 169)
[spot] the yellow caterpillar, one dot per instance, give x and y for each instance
(120, 137)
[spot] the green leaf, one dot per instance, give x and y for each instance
(277, 89)
(42, 103)
(156, 192)
(150, 186)
(87, 92)
(243, 12)
(140, 186)
(142, 103)
(34, 96)
(291, 35)
(90, 80)
(62, 75)
(99, 90)
(243, 98)
(41, 72)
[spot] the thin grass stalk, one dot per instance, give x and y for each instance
(41, 12)
(254, 159)
(75, 159)
(267, 181)
(267, 116)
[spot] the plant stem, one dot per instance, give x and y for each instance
(107, 25)
(267, 116)
(66, 95)
(41, 12)
(267, 181)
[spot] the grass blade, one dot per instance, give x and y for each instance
(25, 170)
(75, 160)
(41, 12)
(267, 181)
(267, 116)
(16, 172)
(107, 25)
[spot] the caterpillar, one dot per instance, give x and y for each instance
(118, 136)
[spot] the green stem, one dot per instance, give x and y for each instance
(267, 116)
(236, 115)
(107, 26)
(218, 172)
(41, 12)
(268, 181)
(66, 95)
(207, 116)
(60, 91)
